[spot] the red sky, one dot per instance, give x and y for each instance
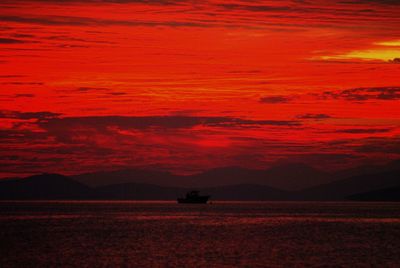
(191, 85)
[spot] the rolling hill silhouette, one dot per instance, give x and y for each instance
(365, 170)
(294, 176)
(248, 192)
(137, 176)
(137, 191)
(341, 189)
(222, 184)
(44, 187)
(289, 177)
(54, 186)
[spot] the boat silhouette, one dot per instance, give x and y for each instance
(193, 197)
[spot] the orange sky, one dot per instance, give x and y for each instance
(190, 85)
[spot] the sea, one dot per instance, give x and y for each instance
(219, 234)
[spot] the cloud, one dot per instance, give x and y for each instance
(321, 158)
(22, 35)
(10, 136)
(353, 94)
(65, 129)
(275, 16)
(24, 95)
(28, 115)
(380, 145)
(85, 21)
(117, 93)
(380, 2)
(363, 94)
(381, 54)
(364, 130)
(168, 122)
(23, 83)
(149, 2)
(255, 8)
(175, 142)
(86, 143)
(275, 99)
(75, 39)
(314, 116)
(86, 89)
(11, 41)
(395, 61)
(11, 76)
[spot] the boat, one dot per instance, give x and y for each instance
(193, 197)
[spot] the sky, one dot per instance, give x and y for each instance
(187, 86)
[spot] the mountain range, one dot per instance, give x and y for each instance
(281, 182)
(289, 177)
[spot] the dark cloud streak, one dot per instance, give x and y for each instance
(28, 115)
(168, 122)
(9, 41)
(148, 2)
(364, 130)
(364, 94)
(275, 99)
(85, 21)
(314, 116)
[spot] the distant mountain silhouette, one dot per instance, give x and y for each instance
(154, 192)
(231, 183)
(365, 169)
(54, 186)
(136, 191)
(293, 176)
(387, 194)
(341, 189)
(249, 192)
(139, 176)
(44, 186)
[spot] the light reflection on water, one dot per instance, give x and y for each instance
(223, 234)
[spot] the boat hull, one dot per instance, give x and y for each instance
(197, 200)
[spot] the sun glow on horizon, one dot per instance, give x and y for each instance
(393, 43)
(380, 53)
(368, 55)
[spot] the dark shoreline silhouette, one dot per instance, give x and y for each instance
(364, 187)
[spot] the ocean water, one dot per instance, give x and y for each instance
(221, 234)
